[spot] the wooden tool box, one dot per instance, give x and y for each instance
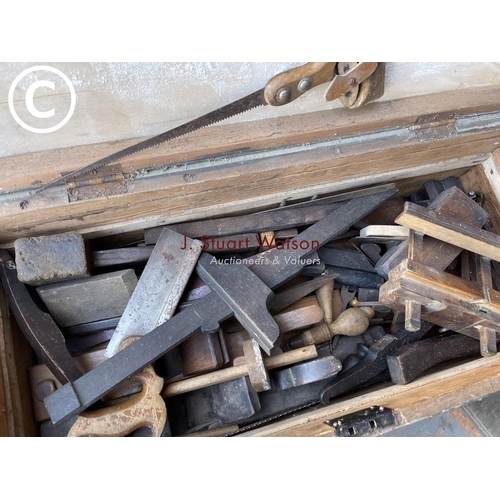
(246, 167)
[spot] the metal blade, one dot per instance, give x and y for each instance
(240, 106)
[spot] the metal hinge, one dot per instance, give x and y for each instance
(107, 181)
(435, 126)
(363, 423)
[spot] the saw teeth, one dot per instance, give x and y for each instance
(238, 107)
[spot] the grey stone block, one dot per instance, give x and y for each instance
(89, 299)
(49, 259)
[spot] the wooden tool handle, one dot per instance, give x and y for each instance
(145, 410)
(234, 372)
(259, 378)
(352, 322)
(291, 84)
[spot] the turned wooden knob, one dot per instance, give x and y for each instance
(351, 322)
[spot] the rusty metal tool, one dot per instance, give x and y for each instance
(346, 297)
(277, 267)
(372, 364)
(281, 89)
(38, 327)
(212, 407)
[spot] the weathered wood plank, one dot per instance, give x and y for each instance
(265, 184)
(6, 396)
(485, 179)
(452, 231)
(412, 402)
(35, 168)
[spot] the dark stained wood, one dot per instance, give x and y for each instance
(122, 256)
(410, 361)
(386, 213)
(234, 226)
(22, 359)
(475, 179)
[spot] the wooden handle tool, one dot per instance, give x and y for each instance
(278, 361)
(146, 410)
(325, 299)
(291, 84)
(353, 321)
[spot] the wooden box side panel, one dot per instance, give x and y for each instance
(423, 398)
(278, 154)
(16, 356)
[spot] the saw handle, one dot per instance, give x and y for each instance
(289, 85)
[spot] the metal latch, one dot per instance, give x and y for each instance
(363, 423)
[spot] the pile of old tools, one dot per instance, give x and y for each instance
(216, 326)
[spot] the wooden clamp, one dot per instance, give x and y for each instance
(451, 230)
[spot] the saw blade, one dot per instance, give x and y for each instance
(266, 420)
(235, 108)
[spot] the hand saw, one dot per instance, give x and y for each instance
(281, 89)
